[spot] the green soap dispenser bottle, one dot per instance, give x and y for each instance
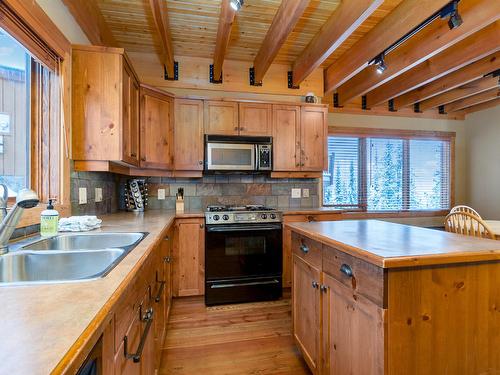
(49, 221)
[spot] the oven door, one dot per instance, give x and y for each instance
(243, 251)
(230, 156)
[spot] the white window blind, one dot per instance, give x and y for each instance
(387, 174)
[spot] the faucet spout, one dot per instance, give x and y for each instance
(25, 199)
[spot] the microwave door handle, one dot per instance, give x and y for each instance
(256, 158)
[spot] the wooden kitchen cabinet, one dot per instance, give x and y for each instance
(188, 135)
(221, 117)
(189, 257)
(157, 112)
(299, 138)
(105, 106)
(255, 119)
(305, 313)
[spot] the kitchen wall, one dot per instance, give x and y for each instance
(483, 157)
(230, 189)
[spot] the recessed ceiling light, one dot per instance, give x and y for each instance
(236, 4)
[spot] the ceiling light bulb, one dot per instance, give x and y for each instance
(236, 4)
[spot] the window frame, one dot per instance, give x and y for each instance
(406, 136)
(26, 22)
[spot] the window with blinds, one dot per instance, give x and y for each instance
(388, 173)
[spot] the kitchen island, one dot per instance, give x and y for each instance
(373, 297)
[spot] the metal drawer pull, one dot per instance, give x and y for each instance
(167, 259)
(304, 248)
(160, 291)
(315, 284)
(346, 270)
(217, 286)
(136, 357)
(323, 288)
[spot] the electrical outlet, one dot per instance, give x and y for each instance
(98, 194)
(161, 194)
(305, 193)
(295, 193)
(82, 195)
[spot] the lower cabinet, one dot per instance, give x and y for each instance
(189, 257)
(338, 328)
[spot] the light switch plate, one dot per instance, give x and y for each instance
(82, 195)
(98, 194)
(161, 194)
(295, 193)
(305, 193)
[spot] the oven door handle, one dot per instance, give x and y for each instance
(242, 228)
(219, 286)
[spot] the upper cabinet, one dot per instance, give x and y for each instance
(188, 135)
(299, 138)
(221, 117)
(255, 119)
(157, 112)
(105, 106)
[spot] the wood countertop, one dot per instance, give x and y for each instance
(45, 326)
(391, 245)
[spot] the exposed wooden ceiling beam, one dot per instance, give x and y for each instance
(430, 41)
(472, 88)
(346, 18)
(405, 17)
(453, 80)
(485, 96)
(88, 15)
(472, 48)
(287, 16)
(226, 19)
(480, 107)
(160, 15)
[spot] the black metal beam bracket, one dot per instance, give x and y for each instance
(212, 80)
(176, 72)
(251, 72)
(290, 81)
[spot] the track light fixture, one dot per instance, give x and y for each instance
(451, 10)
(236, 4)
(380, 62)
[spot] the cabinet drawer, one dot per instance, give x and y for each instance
(360, 276)
(307, 249)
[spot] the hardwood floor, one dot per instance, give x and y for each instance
(252, 338)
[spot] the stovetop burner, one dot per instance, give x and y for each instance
(249, 207)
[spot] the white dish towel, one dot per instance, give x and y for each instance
(79, 223)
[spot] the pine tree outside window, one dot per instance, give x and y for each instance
(380, 170)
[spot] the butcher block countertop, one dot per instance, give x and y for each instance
(44, 326)
(391, 245)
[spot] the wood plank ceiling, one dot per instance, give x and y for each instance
(419, 71)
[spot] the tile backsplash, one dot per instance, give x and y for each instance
(108, 182)
(229, 189)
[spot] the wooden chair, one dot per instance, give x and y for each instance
(468, 224)
(462, 208)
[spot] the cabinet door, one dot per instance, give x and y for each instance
(188, 135)
(156, 130)
(255, 119)
(124, 365)
(189, 257)
(286, 134)
(353, 331)
(313, 133)
(306, 311)
(130, 117)
(221, 117)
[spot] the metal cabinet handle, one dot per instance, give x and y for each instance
(235, 128)
(167, 238)
(200, 162)
(315, 284)
(133, 154)
(346, 270)
(167, 259)
(202, 226)
(304, 248)
(311, 218)
(136, 357)
(143, 158)
(160, 291)
(323, 288)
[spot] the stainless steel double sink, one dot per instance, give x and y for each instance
(66, 257)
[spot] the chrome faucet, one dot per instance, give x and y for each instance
(25, 199)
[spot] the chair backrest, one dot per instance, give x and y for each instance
(467, 224)
(462, 208)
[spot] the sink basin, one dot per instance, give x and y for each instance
(57, 266)
(66, 257)
(89, 241)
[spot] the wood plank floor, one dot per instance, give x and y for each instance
(253, 338)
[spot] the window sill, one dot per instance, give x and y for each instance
(382, 214)
(32, 215)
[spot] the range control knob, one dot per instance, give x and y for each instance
(263, 216)
(273, 216)
(216, 217)
(225, 217)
